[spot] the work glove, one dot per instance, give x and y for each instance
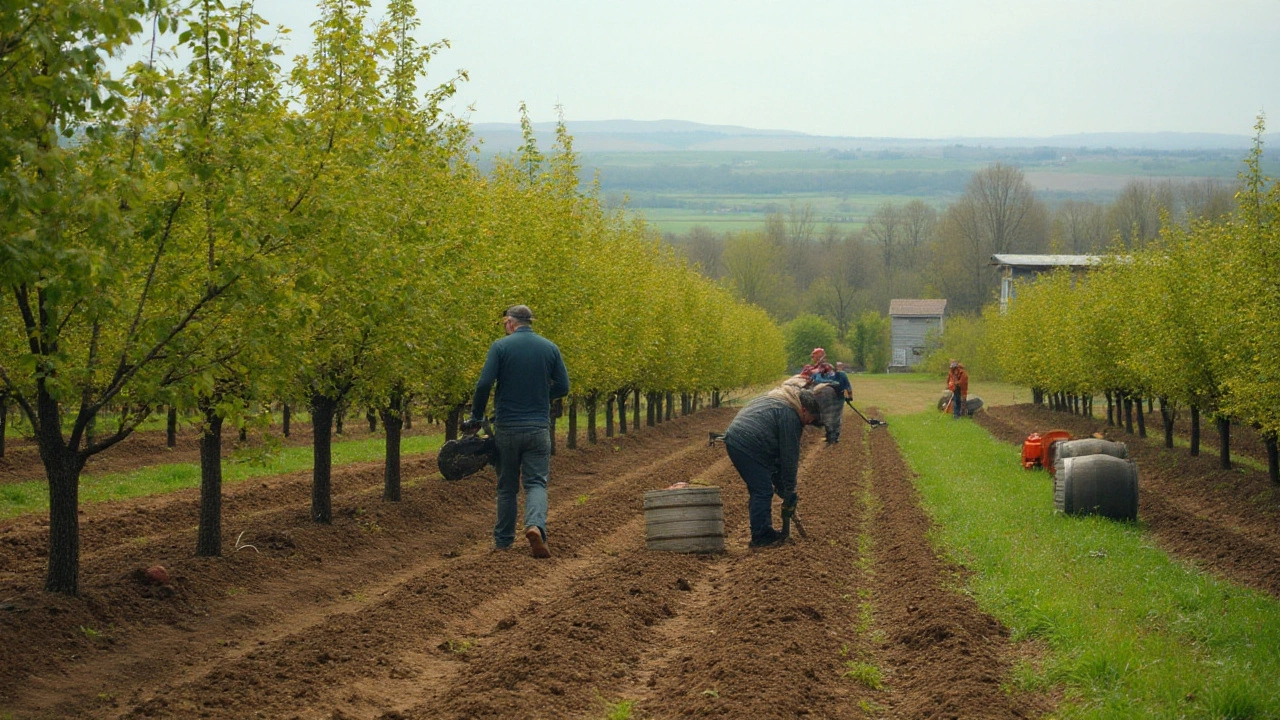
(470, 425)
(789, 505)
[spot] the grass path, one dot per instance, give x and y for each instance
(1132, 632)
(26, 497)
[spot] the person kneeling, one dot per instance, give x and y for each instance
(764, 445)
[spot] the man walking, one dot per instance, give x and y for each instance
(764, 445)
(530, 374)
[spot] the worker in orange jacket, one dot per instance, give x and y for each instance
(958, 384)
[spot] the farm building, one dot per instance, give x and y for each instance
(1024, 267)
(911, 321)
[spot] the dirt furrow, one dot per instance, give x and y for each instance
(319, 668)
(941, 656)
(771, 636)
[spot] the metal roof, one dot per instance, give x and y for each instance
(917, 308)
(1045, 261)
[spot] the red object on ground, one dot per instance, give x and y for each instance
(1032, 452)
(158, 575)
(1047, 441)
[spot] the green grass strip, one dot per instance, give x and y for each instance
(1132, 633)
(33, 496)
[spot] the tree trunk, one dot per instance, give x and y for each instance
(451, 422)
(1195, 431)
(715, 398)
(285, 413)
(591, 418)
(649, 419)
(1150, 407)
(608, 415)
(392, 424)
(170, 427)
(1166, 414)
(339, 416)
(244, 433)
(372, 416)
(323, 410)
(1273, 458)
(1128, 413)
(1224, 443)
(1037, 396)
(622, 412)
(657, 407)
(635, 409)
(572, 441)
(4, 419)
(407, 414)
(670, 400)
(62, 466)
(1110, 410)
(1142, 421)
(209, 535)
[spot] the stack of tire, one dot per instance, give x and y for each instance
(1092, 476)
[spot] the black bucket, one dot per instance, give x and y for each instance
(1096, 485)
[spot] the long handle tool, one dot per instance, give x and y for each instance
(873, 423)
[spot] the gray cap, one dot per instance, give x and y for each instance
(519, 312)
(809, 401)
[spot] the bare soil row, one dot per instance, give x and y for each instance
(403, 611)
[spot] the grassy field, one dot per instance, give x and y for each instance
(906, 393)
(1131, 632)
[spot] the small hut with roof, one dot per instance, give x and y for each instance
(911, 321)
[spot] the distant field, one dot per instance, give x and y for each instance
(679, 212)
(734, 191)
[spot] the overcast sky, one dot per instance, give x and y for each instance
(895, 68)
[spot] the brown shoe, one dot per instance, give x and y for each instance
(537, 543)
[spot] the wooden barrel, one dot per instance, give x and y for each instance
(689, 520)
(1090, 446)
(1096, 485)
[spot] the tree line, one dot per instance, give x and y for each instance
(795, 266)
(1188, 319)
(209, 232)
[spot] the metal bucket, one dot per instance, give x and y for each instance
(689, 520)
(1096, 485)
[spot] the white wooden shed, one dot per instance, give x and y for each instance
(911, 322)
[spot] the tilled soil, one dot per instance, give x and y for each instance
(1225, 521)
(402, 610)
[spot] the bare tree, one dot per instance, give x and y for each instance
(705, 249)
(885, 228)
(1135, 214)
(920, 224)
(1207, 199)
(998, 213)
(1079, 227)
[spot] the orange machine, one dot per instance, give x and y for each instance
(1037, 449)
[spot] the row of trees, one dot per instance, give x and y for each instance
(913, 249)
(217, 234)
(1190, 318)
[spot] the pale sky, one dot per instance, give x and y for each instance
(867, 68)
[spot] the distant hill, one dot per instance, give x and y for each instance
(680, 135)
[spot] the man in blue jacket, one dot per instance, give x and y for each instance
(530, 374)
(764, 444)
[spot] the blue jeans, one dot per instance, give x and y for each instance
(957, 405)
(759, 480)
(527, 451)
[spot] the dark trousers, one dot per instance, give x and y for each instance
(759, 480)
(957, 405)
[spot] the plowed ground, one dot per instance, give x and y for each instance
(403, 611)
